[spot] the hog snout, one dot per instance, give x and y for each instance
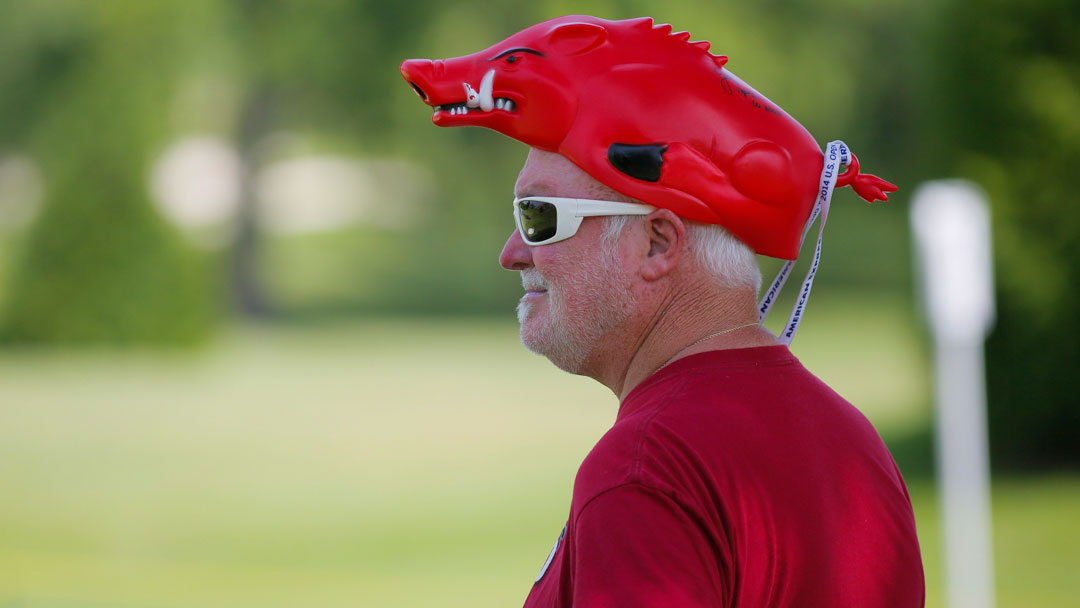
(419, 74)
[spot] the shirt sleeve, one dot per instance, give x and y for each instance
(637, 547)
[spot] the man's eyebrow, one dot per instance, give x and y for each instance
(519, 49)
(534, 189)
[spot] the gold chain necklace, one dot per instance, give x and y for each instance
(700, 340)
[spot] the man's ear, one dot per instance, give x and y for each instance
(666, 234)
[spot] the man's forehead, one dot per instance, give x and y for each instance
(551, 174)
(546, 174)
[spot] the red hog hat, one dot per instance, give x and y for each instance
(654, 117)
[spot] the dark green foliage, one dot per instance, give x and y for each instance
(100, 266)
(1008, 117)
(83, 281)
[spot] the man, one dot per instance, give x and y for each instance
(732, 476)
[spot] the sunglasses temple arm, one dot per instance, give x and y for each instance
(589, 208)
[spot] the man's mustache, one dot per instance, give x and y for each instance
(532, 280)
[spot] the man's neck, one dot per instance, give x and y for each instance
(678, 326)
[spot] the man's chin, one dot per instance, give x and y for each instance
(557, 347)
(531, 328)
(532, 336)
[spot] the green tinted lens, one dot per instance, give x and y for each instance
(538, 220)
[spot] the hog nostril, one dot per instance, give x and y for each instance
(419, 91)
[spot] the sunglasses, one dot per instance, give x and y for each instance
(548, 219)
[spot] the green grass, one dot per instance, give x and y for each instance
(1036, 536)
(380, 463)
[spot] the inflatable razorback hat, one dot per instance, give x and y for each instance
(653, 116)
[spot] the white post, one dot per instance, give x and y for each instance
(951, 224)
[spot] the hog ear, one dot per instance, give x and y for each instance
(577, 38)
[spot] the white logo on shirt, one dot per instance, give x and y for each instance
(551, 556)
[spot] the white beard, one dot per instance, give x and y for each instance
(571, 331)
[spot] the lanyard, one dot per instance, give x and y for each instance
(836, 156)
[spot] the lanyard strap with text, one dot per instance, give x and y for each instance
(836, 156)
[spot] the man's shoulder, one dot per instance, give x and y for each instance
(764, 391)
(645, 446)
(611, 463)
(720, 414)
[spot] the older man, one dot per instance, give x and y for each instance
(616, 303)
(732, 476)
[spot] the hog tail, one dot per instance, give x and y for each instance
(870, 187)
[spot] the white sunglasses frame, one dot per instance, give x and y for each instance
(571, 211)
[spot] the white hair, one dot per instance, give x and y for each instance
(715, 250)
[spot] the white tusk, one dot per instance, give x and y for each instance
(486, 86)
(509, 106)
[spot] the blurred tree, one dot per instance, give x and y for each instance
(329, 69)
(315, 66)
(100, 266)
(1006, 108)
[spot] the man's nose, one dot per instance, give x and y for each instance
(516, 255)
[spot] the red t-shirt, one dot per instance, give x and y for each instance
(736, 478)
